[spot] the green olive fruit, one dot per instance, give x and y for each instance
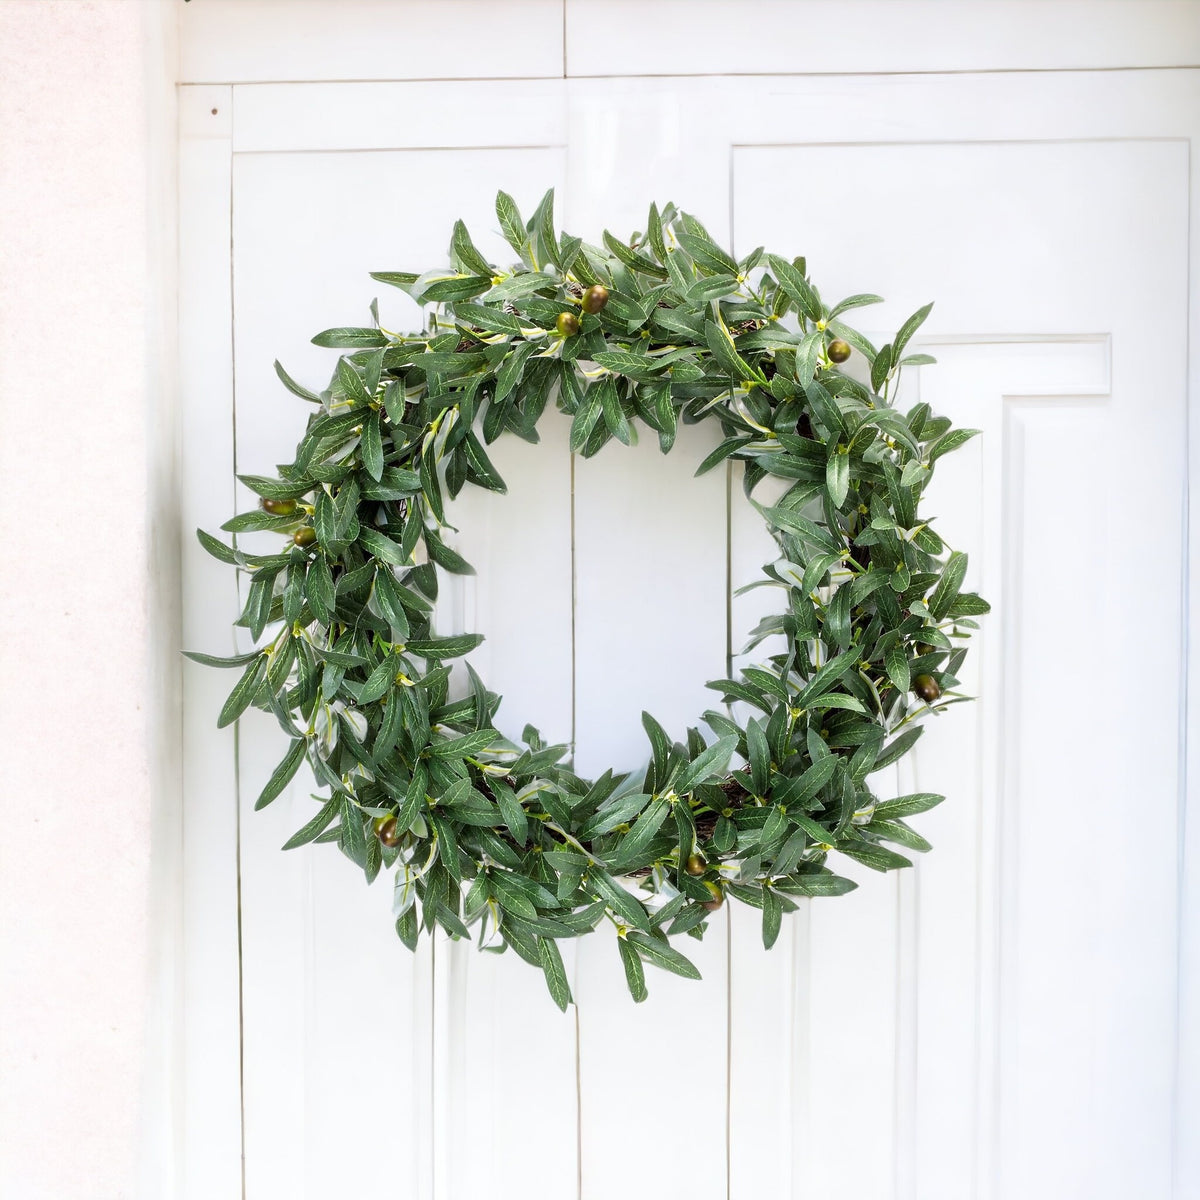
(388, 831)
(838, 351)
(305, 536)
(595, 298)
(695, 865)
(718, 898)
(927, 688)
(567, 324)
(281, 508)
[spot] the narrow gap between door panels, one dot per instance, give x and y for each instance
(1181, 824)
(728, 908)
(987, 923)
(728, 570)
(574, 602)
(982, 880)
(574, 710)
(877, 144)
(797, 1045)
(237, 842)
(433, 1064)
(897, 1034)
(1004, 818)
(907, 890)
(297, 151)
(683, 78)
(340, 82)
(729, 675)
(904, 1080)
(237, 773)
(862, 74)
(578, 1099)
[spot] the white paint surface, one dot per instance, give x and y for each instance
(252, 41)
(1027, 1044)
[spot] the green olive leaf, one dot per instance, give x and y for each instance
(358, 667)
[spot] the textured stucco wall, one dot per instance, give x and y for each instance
(87, 591)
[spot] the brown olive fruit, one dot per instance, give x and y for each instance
(567, 324)
(281, 508)
(838, 351)
(595, 298)
(927, 688)
(388, 831)
(695, 865)
(305, 536)
(718, 898)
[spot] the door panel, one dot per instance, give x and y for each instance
(1084, 239)
(338, 1019)
(650, 602)
(997, 1023)
(505, 1058)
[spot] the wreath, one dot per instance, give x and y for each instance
(485, 831)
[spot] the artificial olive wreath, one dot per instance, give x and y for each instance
(484, 831)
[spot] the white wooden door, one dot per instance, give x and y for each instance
(1002, 1022)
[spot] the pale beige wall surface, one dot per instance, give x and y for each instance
(87, 583)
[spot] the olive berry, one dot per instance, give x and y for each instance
(567, 324)
(305, 536)
(387, 829)
(927, 688)
(838, 351)
(718, 898)
(281, 508)
(595, 298)
(695, 865)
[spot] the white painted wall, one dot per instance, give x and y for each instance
(88, 591)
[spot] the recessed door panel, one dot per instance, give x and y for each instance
(1016, 1035)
